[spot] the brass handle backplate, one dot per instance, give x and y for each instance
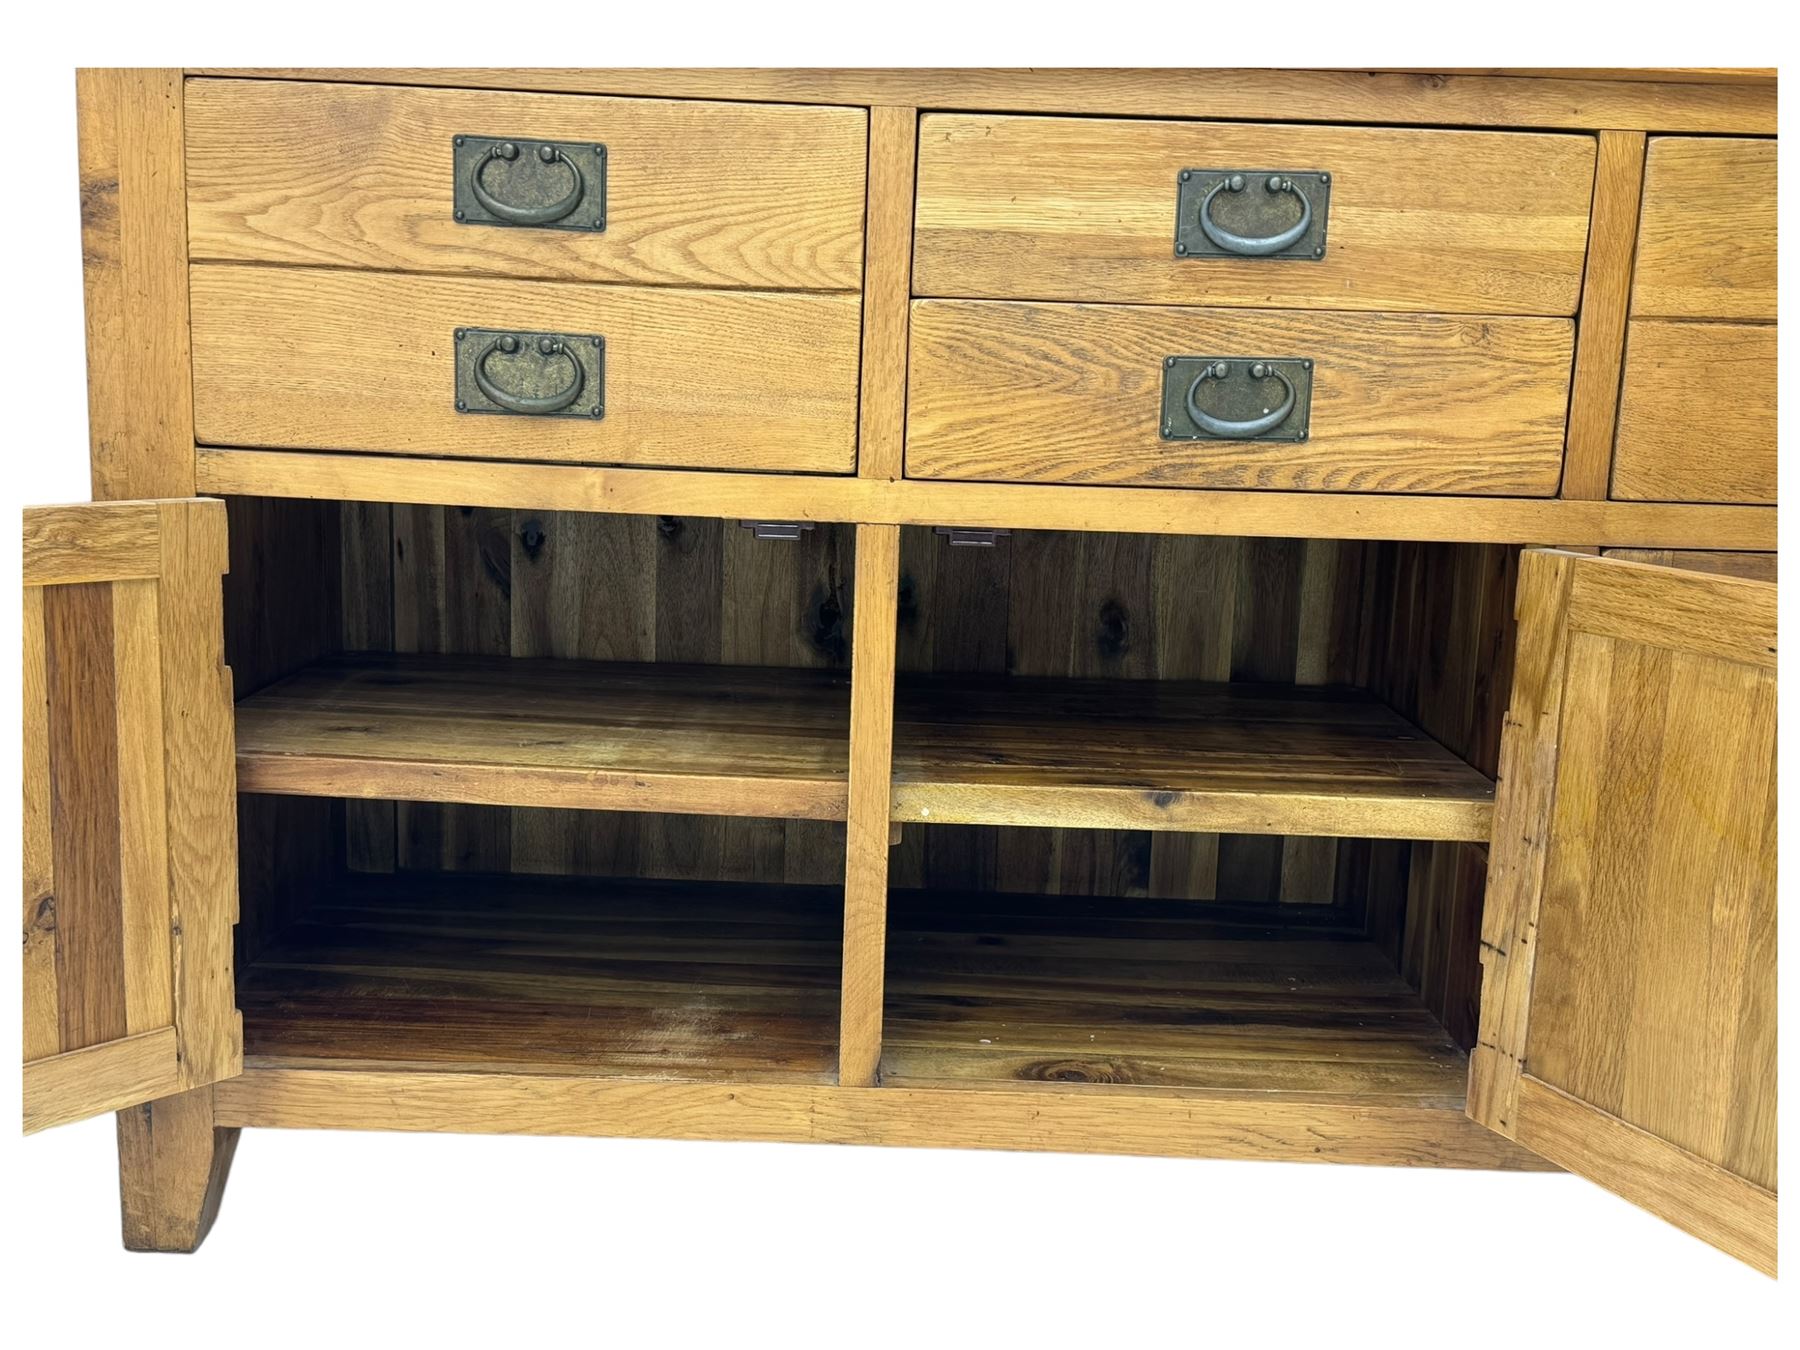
(529, 374)
(1251, 213)
(1236, 398)
(545, 185)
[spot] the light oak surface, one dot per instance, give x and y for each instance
(1605, 294)
(1617, 99)
(1628, 1025)
(597, 735)
(697, 194)
(1668, 451)
(1175, 755)
(887, 290)
(134, 281)
(867, 837)
(1706, 243)
(130, 844)
(1075, 209)
(339, 360)
(1400, 403)
(1035, 1119)
(387, 478)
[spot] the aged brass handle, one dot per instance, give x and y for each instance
(518, 403)
(550, 212)
(1244, 244)
(1238, 431)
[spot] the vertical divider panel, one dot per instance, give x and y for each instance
(871, 774)
(887, 291)
(1605, 298)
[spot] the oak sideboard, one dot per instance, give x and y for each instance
(1178, 612)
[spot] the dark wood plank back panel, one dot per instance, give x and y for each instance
(1438, 647)
(283, 610)
(573, 584)
(1060, 603)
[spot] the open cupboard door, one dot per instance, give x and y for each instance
(130, 827)
(1628, 1007)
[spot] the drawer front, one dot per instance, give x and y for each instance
(296, 357)
(1697, 413)
(1003, 392)
(702, 194)
(1706, 236)
(1036, 208)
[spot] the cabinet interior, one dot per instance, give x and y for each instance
(1069, 706)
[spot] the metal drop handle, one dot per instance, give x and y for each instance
(518, 403)
(1244, 244)
(547, 214)
(1238, 431)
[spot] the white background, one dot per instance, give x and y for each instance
(360, 1239)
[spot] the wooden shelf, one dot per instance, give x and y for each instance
(633, 979)
(706, 740)
(1132, 996)
(1176, 755)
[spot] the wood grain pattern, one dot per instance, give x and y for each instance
(1175, 756)
(129, 833)
(1706, 242)
(112, 541)
(1432, 98)
(1089, 606)
(174, 1157)
(866, 834)
(1067, 208)
(1073, 394)
(1605, 295)
(201, 784)
(141, 808)
(1660, 455)
(1633, 1023)
(1713, 1204)
(60, 1089)
(1751, 566)
(1437, 645)
(503, 731)
(570, 585)
(697, 194)
(628, 979)
(134, 280)
(1176, 511)
(1039, 1118)
(1529, 752)
(40, 1028)
(887, 291)
(84, 804)
(1115, 994)
(345, 361)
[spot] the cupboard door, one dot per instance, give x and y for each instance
(130, 826)
(1628, 1008)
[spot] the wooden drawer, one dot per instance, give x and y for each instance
(1696, 413)
(1706, 236)
(700, 194)
(1003, 392)
(298, 357)
(1037, 208)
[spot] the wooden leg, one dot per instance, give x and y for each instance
(172, 1166)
